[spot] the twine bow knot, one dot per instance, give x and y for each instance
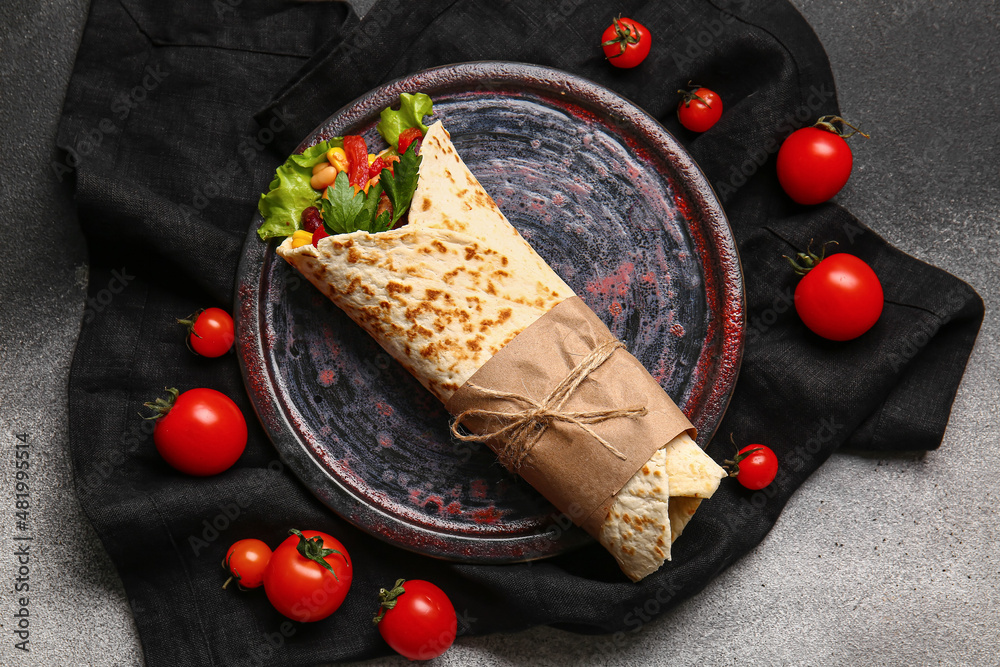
(522, 429)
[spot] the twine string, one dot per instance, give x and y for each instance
(521, 430)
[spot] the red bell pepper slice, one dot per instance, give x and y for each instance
(357, 160)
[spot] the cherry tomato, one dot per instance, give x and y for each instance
(210, 332)
(308, 576)
(840, 297)
(357, 159)
(407, 137)
(200, 432)
(699, 109)
(815, 162)
(246, 560)
(416, 619)
(755, 466)
(626, 42)
(320, 233)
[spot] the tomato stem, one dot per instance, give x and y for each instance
(235, 574)
(624, 35)
(312, 548)
(387, 599)
(732, 466)
(189, 323)
(826, 123)
(163, 405)
(690, 95)
(808, 259)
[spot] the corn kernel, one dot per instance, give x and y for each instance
(301, 238)
(338, 158)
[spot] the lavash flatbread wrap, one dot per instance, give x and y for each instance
(446, 292)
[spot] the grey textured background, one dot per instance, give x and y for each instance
(888, 561)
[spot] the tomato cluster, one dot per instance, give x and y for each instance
(309, 575)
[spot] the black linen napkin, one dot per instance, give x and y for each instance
(167, 167)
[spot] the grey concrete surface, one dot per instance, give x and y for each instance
(875, 561)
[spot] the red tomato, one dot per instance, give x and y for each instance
(840, 297)
(815, 162)
(357, 159)
(756, 466)
(210, 332)
(407, 137)
(200, 432)
(296, 582)
(246, 560)
(699, 109)
(626, 42)
(320, 233)
(416, 619)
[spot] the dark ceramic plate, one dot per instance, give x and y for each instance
(617, 208)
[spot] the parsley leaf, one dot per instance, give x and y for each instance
(401, 183)
(383, 222)
(366, 217)
(341, 206)
(345, 212)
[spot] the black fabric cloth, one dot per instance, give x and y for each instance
(167, 163)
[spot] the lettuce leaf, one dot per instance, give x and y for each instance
(290, 193)
(412, 109)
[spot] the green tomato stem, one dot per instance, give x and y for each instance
(387, 599)
(312, 548)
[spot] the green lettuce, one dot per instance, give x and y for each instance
(290, 193)
(412, 109)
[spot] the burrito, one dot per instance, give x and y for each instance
(455, 285)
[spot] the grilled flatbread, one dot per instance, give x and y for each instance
(445, 292)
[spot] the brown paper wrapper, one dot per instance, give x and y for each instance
(568, 466)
